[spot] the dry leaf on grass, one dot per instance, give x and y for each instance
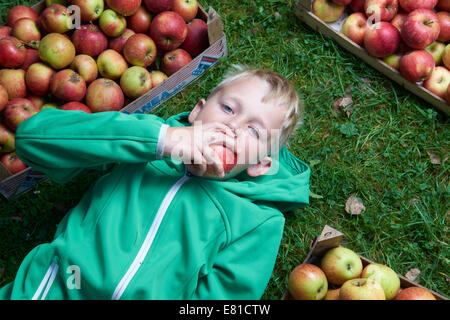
(413, 275)
(354, 205)
(344, 104)
(435, 159)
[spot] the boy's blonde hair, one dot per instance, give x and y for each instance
(280, 90)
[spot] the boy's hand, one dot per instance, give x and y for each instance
(192, 145)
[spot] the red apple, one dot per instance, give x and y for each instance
(19, 12)
(12, 162)
(104, 95)
(444, 5)
(5, 31)
(444, 23)
(119, 42)
(111, 64)
(188, 8)
(157, 6)
(437, 51)
(90, 40)
(228, 157)
(386, 9)
(56, 50)
(76, 106)
(13, 80)
(12, 52)
(3, 98)
(49, 105)
(7, 139)
(112, 23)
(327, 10)
(32, 56)
(197, 37)
(445, 56)
(140, 21)
(417, 65)
(355, 27)
(135, 82)
(124, 7)
(56, 18)
(342, 2)
(86, 67)
(175, 60)
(38, 101)
(357, 5)
(411, 5)
(38, 78)
(17, 111)
(415, 293)
(157, 77)
(68, 85)
(307, 282)
(399, 20)
(90, 10)
(438, 82)
(140, 50)
(26, 30)
(168, 30)
(381, 39)
(421, 28)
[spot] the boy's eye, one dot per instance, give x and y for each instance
(227, 109)
(254, 132)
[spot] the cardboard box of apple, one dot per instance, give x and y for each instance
(411, 36)
(334, 272)
(122, 50)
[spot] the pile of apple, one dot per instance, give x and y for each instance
(411, 36)
(341, 276)
(120, 51)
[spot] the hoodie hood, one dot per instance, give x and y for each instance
(285, 186)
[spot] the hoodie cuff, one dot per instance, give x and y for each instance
(161, 139)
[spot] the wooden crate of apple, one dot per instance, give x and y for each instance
(122, 50)
(334, 272)
(411, 36)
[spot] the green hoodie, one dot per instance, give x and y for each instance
(147, 228)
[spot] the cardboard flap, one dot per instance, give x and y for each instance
(215, 26)
(329, 238)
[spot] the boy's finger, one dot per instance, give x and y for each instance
(223, 128)
(222, 139)
(214, 160)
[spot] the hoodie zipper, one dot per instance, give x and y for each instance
(149, 238)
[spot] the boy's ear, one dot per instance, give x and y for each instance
(260, 168)
(196, 111)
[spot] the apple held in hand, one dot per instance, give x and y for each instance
(12, 162)
(17, 111)
(341, 264)
(68, 85)
(385, 276)
(168, 30)
(7, 139)
(104, 95)
(307, 282)
(12, 52)
(228, 157)
(384, 9)
(421, 28)
(135, 82)
(381, 39)
(361, 289)
(417, 65)
(56, 50)
(415, 293)
(411, 5)
(327, 10)
(438, 82)
(355, 27)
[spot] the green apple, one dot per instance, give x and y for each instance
(361, 289)
(327, 10)
(307, 282)
(385, 276)
(341, 264)
(437, 51)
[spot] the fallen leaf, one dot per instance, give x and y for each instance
(435, 159)
(343, 104)
(413, 275)
(354, 205)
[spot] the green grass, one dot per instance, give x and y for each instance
(378, 153)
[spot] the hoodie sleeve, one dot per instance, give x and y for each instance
(62, 143)
(242, 270)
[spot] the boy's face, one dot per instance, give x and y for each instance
(240, 106)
